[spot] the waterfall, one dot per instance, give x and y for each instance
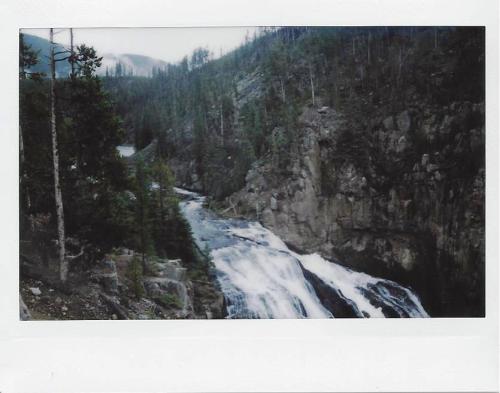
(261, 277)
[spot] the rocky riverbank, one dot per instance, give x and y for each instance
(111, 290)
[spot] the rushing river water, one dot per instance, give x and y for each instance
(262, 278)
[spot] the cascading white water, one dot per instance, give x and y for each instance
(262, 278)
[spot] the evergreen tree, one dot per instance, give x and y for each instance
(27, 59)
(164, 200)
(82, 131)
(143, 206)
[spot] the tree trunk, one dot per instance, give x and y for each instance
(72, 53)
(143, 247)
(282, 85)
(312, 84)
(63, 263)
(221, 124)
(22, 76)
(160, 183)
(22, 172)
(143, 235)
(400, 65)
(368, 47)
(21, 150)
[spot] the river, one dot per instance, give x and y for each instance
(261, 277)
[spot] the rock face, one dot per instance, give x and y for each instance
(106, 275)
(171, 287)
(24, 312)
(185, 174)
(400, 197)
(168, 291)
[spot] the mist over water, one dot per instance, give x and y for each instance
(262, 278)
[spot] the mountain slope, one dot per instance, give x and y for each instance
(128, 64)
(42, 47)
(136, 64)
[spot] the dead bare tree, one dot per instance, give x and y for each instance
(312, 84)
(72, 54)
(63, 262)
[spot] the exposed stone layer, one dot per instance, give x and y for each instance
(402, 198)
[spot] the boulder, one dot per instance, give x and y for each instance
(157, 287)
(274, 203)
(106, 276)
(36, 291)
(172, 269)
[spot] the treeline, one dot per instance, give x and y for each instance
(229, 112)
(119, 70)
(69, 133)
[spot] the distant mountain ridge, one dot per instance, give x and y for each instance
(123, 64)
(138, 65)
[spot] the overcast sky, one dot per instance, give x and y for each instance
(169, 44)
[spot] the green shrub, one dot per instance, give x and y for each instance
(135, 274)
(169, 300)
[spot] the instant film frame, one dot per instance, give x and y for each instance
(264, 355)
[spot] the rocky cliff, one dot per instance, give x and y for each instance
(400, 196)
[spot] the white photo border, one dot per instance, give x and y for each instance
(439, 354)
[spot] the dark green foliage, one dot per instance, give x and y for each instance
(34, 120)
(135, 274)
(159, 227)
(93, 176)
(178, 243)
(28, 59)
(28, 103)
(201, 269)
(86, 60)
(163, 204)
(170, 301)
(142, 186)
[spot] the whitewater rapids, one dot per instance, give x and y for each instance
(261, 277)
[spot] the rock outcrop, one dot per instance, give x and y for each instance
(24, 312)
(113, 289)
(401, 196)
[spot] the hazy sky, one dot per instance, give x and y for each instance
(169, 44)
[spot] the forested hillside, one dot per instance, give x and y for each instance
(366, 144)
(248, 102)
